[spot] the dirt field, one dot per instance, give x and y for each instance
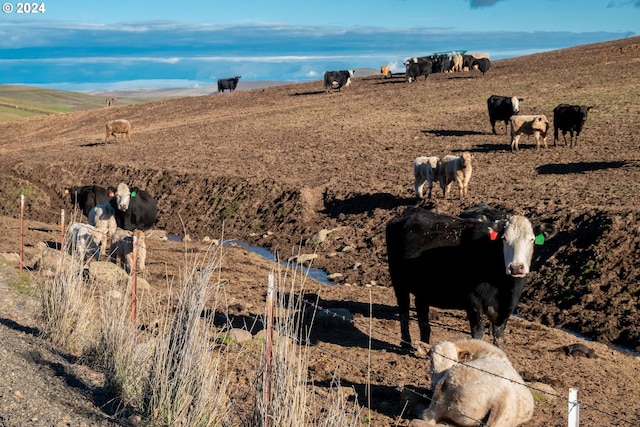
(274, 166)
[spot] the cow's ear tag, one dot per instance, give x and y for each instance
(493, 235)
(539, 239)
(110, 193)
(133, 194)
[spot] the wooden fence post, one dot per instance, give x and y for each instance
(574, 408)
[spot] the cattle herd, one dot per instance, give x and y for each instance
(425, 249)
(116, 221)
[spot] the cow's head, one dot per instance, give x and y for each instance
(515, 104)
(123, 196)
(518, 239)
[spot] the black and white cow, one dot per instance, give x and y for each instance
(476, 265)
(569, 118)
(228, 84)
(135, 209)
(337, 79)
(87, 196)
(501, 108)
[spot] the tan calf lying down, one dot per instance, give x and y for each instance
(483, 385)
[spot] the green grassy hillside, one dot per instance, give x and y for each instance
(17, 102)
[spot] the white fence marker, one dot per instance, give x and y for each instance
(574, 408)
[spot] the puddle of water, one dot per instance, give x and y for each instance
(313, 273)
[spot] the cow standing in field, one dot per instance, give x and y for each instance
(425, 170)
(536, 125)
(118, 126)
(87, 196)
(385, 72)
(228, 84)
(135, 209)
(501, 108)
(569, 118)
(454, 263)
(337, 79)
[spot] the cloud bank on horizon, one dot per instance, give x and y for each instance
(75, 52)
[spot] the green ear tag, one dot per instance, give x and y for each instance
(539, 239)
(133, 194)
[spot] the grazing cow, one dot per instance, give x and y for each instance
(454, 263)
(458, 169)
(122, 244)
(228, 84)
(88, 196)
(135, 209)
(569, 118)
(103, 218)
(483, 64)
(385, 72)
(536, 125)
(119, 126)
(501, 108)
(425, 170)
(83, 240)
(416, 69)
(337, 79)
(473, 380)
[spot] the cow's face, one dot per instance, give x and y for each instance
(517, 245)
(123, 196)
(515, 104)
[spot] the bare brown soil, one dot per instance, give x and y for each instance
(273, 166)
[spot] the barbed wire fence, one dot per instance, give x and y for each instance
(574, 404)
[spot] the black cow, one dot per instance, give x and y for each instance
(337, 79)
(569, 118)
(135, 209)
(228, 84)
(501, 108)
(483, 64)
(476, 265)
(416, 69)
(467, 61)
(87, 196)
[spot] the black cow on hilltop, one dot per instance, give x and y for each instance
(337, 79)
(228, 84)
(471, 264)
(569, 118)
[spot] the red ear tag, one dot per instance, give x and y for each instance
(493, 235)
(110, 193)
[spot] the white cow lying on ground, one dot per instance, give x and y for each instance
(122, 244)
(458, 169)
(471, 380)
(536, 125)
(83, 240)
(425, 170)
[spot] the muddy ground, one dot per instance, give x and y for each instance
(273, 167)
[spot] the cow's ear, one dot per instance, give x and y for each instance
(496, 230)
(134, 191)
(545, 230)
(520, 100)
(590, 109)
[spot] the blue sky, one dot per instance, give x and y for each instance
(141, 43)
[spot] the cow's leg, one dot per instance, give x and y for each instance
(475, 314)
(493, 127)
(403, 309)
(422, 310)
(419, 185)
